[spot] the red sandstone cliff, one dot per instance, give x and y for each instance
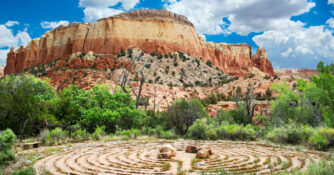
(149, 30)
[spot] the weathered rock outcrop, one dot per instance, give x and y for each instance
(149, 30)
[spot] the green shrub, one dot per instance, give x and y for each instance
(209, 63)
(26, 171)
(211, 134)
(7, 141)
(220, 96)
(318, 141)
(328, 133)
(58, 135)
(182, 114)
(170, 134)
(211, 99)
(80, 135)
(129, 133)
(322, 139)
(323, 167)
(267, 77)
(236, 132)
(98, 133)
(225, 116)
(291, 133)
(197, 130)
(44, 136)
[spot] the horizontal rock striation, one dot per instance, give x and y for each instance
(149, 30)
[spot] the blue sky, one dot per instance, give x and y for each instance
(295, 33)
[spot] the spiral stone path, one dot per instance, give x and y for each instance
(141, 158)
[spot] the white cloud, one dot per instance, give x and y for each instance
(330, 22)
(92, 14)
(330, 1)
(11, 23)
(53, 24)
(96, 9)
(287, 52)
(245, 16)
(8, 39)
(3, 56)
(297, 45)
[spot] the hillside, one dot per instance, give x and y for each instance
(157, 31)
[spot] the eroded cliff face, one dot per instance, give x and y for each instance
(149, 30)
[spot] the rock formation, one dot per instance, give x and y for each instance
(149, 30)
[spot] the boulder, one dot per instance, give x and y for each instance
(166, 152)
(204, 153)
(206, 148)
(191, 149)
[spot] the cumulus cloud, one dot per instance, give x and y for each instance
(330, 22)
(93, 14)
(240, 16)
(96, 9)
(288, 43)
(53, 24)
(11, 23)
(297, 45)
(3, 56)
(8, 39)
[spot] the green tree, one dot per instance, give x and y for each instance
(27, 104)
(97, 107)
(182, 114)
(321, 91)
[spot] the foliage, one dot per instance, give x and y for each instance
(26, 99)
(129, 133)
(206, 129)
(321, 92)
(197, 130)
(182, 114)
(209, 63)
(169, 134)
(98, 133)
(322, 167)
(44, 136)
(291, 133)
(7, 140)
(79, 134)
(98, 107)
(290, 105)
(236, 132)
(211, 99)
(58, 135)
(151, 119)
(318, 141)
(26, 171)
(225, 116)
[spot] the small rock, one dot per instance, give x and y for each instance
(191, 149)
(27, 162)
(166, 152)
(203, 153)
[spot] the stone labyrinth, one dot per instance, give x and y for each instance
(141, 158)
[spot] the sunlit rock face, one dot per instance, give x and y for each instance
(149, 30)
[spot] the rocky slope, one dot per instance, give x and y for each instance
(158, 31)
(175, 69)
